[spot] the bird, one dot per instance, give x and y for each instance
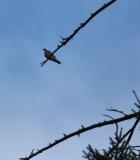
(49, 56)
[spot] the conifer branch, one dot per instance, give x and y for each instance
(80, 131)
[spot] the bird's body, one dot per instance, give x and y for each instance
(49, 56)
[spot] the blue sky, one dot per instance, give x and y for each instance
(100, 68)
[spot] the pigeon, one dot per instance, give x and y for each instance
(50, 56)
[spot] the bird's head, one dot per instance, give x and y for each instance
(44, 49)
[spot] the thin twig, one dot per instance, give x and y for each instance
(137, 98)
(117, 127)
(116, 110)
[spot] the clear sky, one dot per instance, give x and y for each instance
(100, 68)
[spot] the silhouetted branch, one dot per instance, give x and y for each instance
(116, 110)
(42, 63)
(136, 148)
(121, 139)
(112, 119)
(118, 150)
(138, 100)
(65, 40)
(80, 131)
(131, 132)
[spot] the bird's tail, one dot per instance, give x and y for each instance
(56, 60)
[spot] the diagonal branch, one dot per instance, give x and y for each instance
(138, 100)
(130, 132)
(80, 131)
(65, 40)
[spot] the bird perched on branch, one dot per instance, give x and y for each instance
(50, 56)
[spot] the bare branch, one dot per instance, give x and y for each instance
(116, 110)
(65, 40)
(137, 98)
(130, 132)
